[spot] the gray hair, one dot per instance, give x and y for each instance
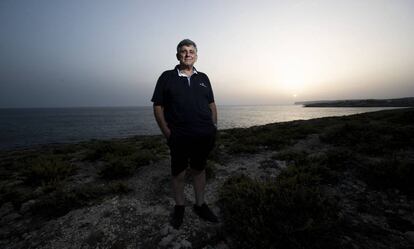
(186, 42)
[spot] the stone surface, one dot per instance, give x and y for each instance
(25, 208)
(10, 217)
(167, 240)
(410, 236)
(6, 208)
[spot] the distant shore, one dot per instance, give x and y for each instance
(401, 102)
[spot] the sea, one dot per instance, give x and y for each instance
(26, 127)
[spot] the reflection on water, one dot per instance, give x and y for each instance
(246, 116)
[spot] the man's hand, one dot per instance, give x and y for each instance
(159, 116)
(213, 112)
(167, 133)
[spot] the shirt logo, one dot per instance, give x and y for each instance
(203, 85)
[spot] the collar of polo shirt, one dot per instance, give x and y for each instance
(184, 75)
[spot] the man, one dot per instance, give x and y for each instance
(187, 116)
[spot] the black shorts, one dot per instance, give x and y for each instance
(189, 151)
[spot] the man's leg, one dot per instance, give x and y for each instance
(200, 150)
(199, 183)
(178, 188)
(179, 163)
(201, 208)
(179, 208)
(198, 162)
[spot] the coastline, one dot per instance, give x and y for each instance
(23, 129)
(115, 192)
(400, 102)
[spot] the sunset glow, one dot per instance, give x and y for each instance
(91, 54)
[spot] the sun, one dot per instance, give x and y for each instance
(293, 83)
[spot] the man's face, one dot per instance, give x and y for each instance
(187, 55)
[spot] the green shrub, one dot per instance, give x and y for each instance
(15, 195)
(346, 134)
(119, 187)
(275, 215)
(335, 158)
(307, 175)
(218, 154)
(56, 204)
(117, 168)
(66, 149)
(147, 150)
(99, 149)
(238, 148)
(304, 168)
(372, 137)
(402, 117)
(390, 172)
(290, 155)
(272, 136)
(46, 170)
(338, 158)
(210, 170)
(155, 144)
(63, 200)
(142, 157)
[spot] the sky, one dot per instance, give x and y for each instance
(110, 53)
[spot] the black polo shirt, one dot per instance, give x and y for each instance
(186, 103)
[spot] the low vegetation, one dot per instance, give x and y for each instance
(46, 170)
(282, 214)
(63, 200)
(210, 170)
(122, 158)
(396, 171)
(273, 136)
(294, 211)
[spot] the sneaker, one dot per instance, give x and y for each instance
(205, 213)
(177, 217)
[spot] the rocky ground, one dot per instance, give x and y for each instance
(137, 215)
(139, 219)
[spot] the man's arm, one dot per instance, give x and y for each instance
(159, 116)
(213, 112)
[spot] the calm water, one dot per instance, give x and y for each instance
(26, 127)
